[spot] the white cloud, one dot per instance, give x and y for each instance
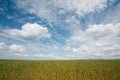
(49, 9)
(77, 36)
(37, 7)
(48, 56)
(44, 55)
(98, 31)
(82, 49)
(29, 32)
(73, 23)
(2, 45)
(101, 40)
(81, 7)
(17, 48)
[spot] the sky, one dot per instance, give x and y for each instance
(59, 29)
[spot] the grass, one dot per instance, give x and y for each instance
(60, 70)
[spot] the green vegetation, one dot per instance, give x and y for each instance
(60, 70)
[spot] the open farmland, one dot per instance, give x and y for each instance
(60, 70)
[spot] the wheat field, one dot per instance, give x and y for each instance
(59, 69)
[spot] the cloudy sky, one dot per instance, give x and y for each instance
(59, 29)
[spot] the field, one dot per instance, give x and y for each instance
(60, 70)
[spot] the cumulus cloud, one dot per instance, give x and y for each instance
(2, 45)
(17, 48)
(29, 32)
(99, 31)
(98, 40)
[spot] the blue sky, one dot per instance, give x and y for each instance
(56, 29)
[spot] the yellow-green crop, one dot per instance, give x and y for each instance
(60, 70)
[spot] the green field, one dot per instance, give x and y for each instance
(60, 70)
